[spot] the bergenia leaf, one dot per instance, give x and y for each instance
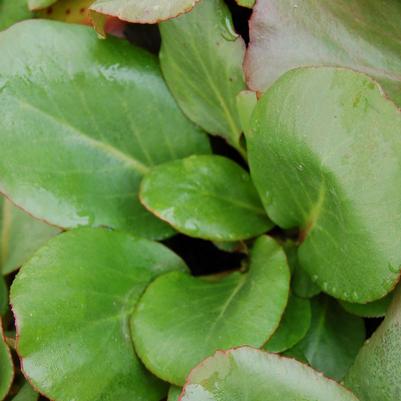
(21, 235)
(336, 138)
(72, 302)
(3, 296)
(78, 136)
(246, 3)
(181, 320)
(174, 393)
(40, 4)
(71, 11)
(12, 11)
(246, 102)
(372, 309)
(375, 374)
(26, 393)
(333, 340)
(208, 197)
(257, 375)
(143, 11)
(293, 327)
(201, 58)
(359, 34)
(6, 366)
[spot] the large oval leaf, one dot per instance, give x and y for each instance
(372, 309)
(333, 340)
(6, 366)
(208, 197)
(143, 11)
(180, 319)
(72, 302)
(12, 11)
(364, 35)
(330, 164)
(21, 235)
(201, 58)
(376, 373)
(77, 136)
(257, 375)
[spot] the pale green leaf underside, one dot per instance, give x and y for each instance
(12, 11)
(208, 197)
(181, 320)
(258, 375)
(201, 58)
(143, 11)
(364, 35)
(375, 375)
(83, 132)
(336, 140)
(72, 303)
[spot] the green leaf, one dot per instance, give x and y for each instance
(201, 58)
(359, 34)
(180, 319)
(174, 393)
(72, 302)
(338, 148)
(375, 374)
(293, 327)
(143, 11)
(246, 103)
(40, 4)
(26, 393)
(3, 296)
(12, 11)
(208, 197)
(372, 309)
(333, 340)
(21, 235)
(257, 375)
(246, 3)
(6, 366)
(84, 132)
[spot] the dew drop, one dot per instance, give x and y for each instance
(229, 32)
(354, 296)
(300, 167)
(394, 268)
(315, 277)
(325, 286)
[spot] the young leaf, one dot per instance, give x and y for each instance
(180, 319)
(208, 197)
(174, 393)
(26, 393)
(338, 148)
(6, 366)
(359, 34)
(201, 58)
(333, 340)
(143, 11)
(72, 302)
(293, 326)
(78, 136)
(12, 11)
(21, 235)
(246, 103)
(257, 375)
(372, 309)
(375, 374)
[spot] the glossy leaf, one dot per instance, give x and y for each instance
(26, 393)
(3, 296)
(6, 366)
(40, 4)
(372, 309)
(208, 197)
(337, 136)
(143, 11)
(180, 319)
(83, 132)
(174, 393)
(364, 35)
(201, 58)
(293, 327)
(72, 302)
(333, 340)
(376, 372)
(12, 11)
(258, 375)
(21, 235)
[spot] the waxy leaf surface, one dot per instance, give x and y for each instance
(6, 366)
(333, 340)
(72, 303)
(293, 326)
(376, 372)
(20, 236)
(78, 135)
(181, 320)
(337, 141)
(201, 58)
(372, 309)
(258, 375)
(364, 35)
(208, 197)
(143, 11)
(12, 11)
